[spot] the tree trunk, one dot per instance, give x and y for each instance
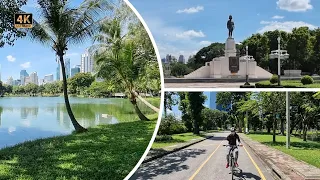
(165, 104)
(75, 123)
(133, 101)
(274, 131)
(282, 127)
(305, 128)
(196, 129)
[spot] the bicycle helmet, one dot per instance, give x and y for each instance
(232, 129)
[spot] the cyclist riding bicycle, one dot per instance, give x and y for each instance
(232, 138)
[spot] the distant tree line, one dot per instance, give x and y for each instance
(302, 44)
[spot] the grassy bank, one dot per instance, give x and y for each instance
(177, 138)
(305, 151)
(288, 84)
(104, 152)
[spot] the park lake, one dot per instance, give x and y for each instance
(29, 118)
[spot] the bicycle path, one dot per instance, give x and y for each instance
(202, 161)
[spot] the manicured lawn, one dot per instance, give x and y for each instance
(306, 151)
(177, 138)
(289, 83)
(104, 152)
(155, 101)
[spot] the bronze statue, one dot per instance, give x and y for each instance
(230, 26)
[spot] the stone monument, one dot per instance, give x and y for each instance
(231, 65)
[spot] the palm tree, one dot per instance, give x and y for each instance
(62, 26)
(116, 60)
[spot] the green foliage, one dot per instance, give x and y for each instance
(170, 125)
(213, 119)
(307, 80)
(288, 84)
(160, 138)
(179, 69)
(274, 79)
(79, 82)
(8, 33)
(196, 101)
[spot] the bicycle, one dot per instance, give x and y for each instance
(231, 158)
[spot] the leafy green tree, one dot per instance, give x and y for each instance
(185, 114)
(119, 58)
(8, 33)
(63, 26)
(101, 89)
(31, 89)
(179, 69)
(80, 81)
(196, 100)
(169, 101)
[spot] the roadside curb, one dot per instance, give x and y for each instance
(174, 150)
(276, 172)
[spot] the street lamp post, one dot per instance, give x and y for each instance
(279, 54)
(288, 119)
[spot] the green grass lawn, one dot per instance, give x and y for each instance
(104, 152)
(155, 101)
(289, 83)
(177, 138)
(306, 151)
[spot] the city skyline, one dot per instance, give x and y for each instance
(33, 56)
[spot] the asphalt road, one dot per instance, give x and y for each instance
(202, 161)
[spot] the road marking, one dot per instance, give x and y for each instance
(255, 164)
(198, 170)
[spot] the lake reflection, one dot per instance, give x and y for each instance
(28, 118)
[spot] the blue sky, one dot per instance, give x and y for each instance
(33, 56)
(177, 112)
(184, 27)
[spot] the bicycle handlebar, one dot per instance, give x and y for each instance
(233, 145)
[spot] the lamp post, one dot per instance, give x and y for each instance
(279, 54)
(288, 120)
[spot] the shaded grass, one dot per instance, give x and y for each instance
(305, 151)
(177, 138)
(104, 152)
(288, 84)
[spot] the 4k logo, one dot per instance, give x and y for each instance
(23, 20)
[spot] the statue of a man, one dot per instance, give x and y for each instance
(230, 26)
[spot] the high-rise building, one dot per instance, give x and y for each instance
(27, 80)
(23, 75)
(181, 59)
(75, 70)
(10, 81)
(213, 98)
(48, 78)
(67, 67)
(58, 72)
(41, 82)
(163, 60)
(34, 78)
(168, 58)
(87, 62)
(16, 82)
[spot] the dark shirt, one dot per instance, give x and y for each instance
(232, 138)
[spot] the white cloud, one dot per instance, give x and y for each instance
(277, 17)
(294, 5)
(26, 65)
(11, 58)
(284, 26)
(204, 43)
(190, 34)
(191, 10)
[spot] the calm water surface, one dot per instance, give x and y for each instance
(29, 118)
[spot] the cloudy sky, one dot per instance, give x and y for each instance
(32, 56)
(184, 27)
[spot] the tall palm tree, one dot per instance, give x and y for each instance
(116, 60)
(62, 26)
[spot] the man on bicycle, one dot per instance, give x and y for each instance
(232, 138)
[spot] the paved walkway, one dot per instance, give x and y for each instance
(204, 85)
(285, 165)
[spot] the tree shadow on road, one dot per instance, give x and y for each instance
(217, 138)
(246, 175)
(167, 164)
